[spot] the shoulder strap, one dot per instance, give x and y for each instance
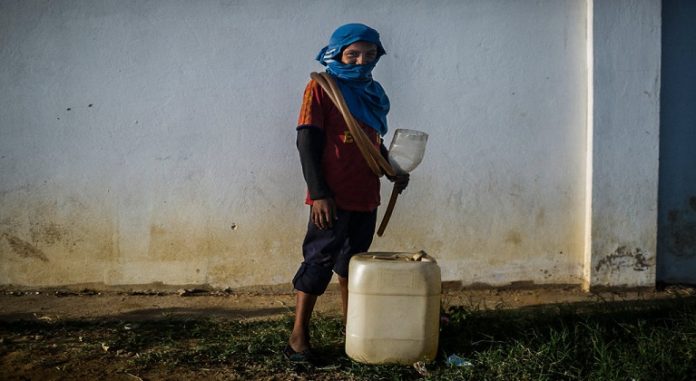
(377, 163)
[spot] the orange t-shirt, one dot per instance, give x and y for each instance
(345, 170)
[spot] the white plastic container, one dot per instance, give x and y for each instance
(393, 308)
(407, 149)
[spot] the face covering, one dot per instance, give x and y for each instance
(364, 96)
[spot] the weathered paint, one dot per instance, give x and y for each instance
(623, 141)
(154, 141)
(679, 238)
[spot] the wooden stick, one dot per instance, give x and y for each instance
(388, 212)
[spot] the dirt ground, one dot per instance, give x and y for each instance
(47, 355)
(160, 302)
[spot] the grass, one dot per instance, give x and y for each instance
(646, 340)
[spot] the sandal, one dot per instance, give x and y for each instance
(305, 357)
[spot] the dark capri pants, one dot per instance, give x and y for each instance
(330, 250)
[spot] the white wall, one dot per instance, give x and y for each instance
(624, 143)
(135, 134)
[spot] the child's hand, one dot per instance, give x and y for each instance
(324, 213)
(400, 181)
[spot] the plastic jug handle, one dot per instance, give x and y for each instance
(420, 256)
(386, 257)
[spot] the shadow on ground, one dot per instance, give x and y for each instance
(176, 313)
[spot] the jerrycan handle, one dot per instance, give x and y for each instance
(420, 256)
(392, 257)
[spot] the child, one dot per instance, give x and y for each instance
(343, 192)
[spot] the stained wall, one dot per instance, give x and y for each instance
(154, 141)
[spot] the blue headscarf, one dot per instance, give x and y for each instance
(364, 96)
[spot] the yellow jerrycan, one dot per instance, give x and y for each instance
(393, 312)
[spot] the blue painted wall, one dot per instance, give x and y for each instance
(676, 257)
